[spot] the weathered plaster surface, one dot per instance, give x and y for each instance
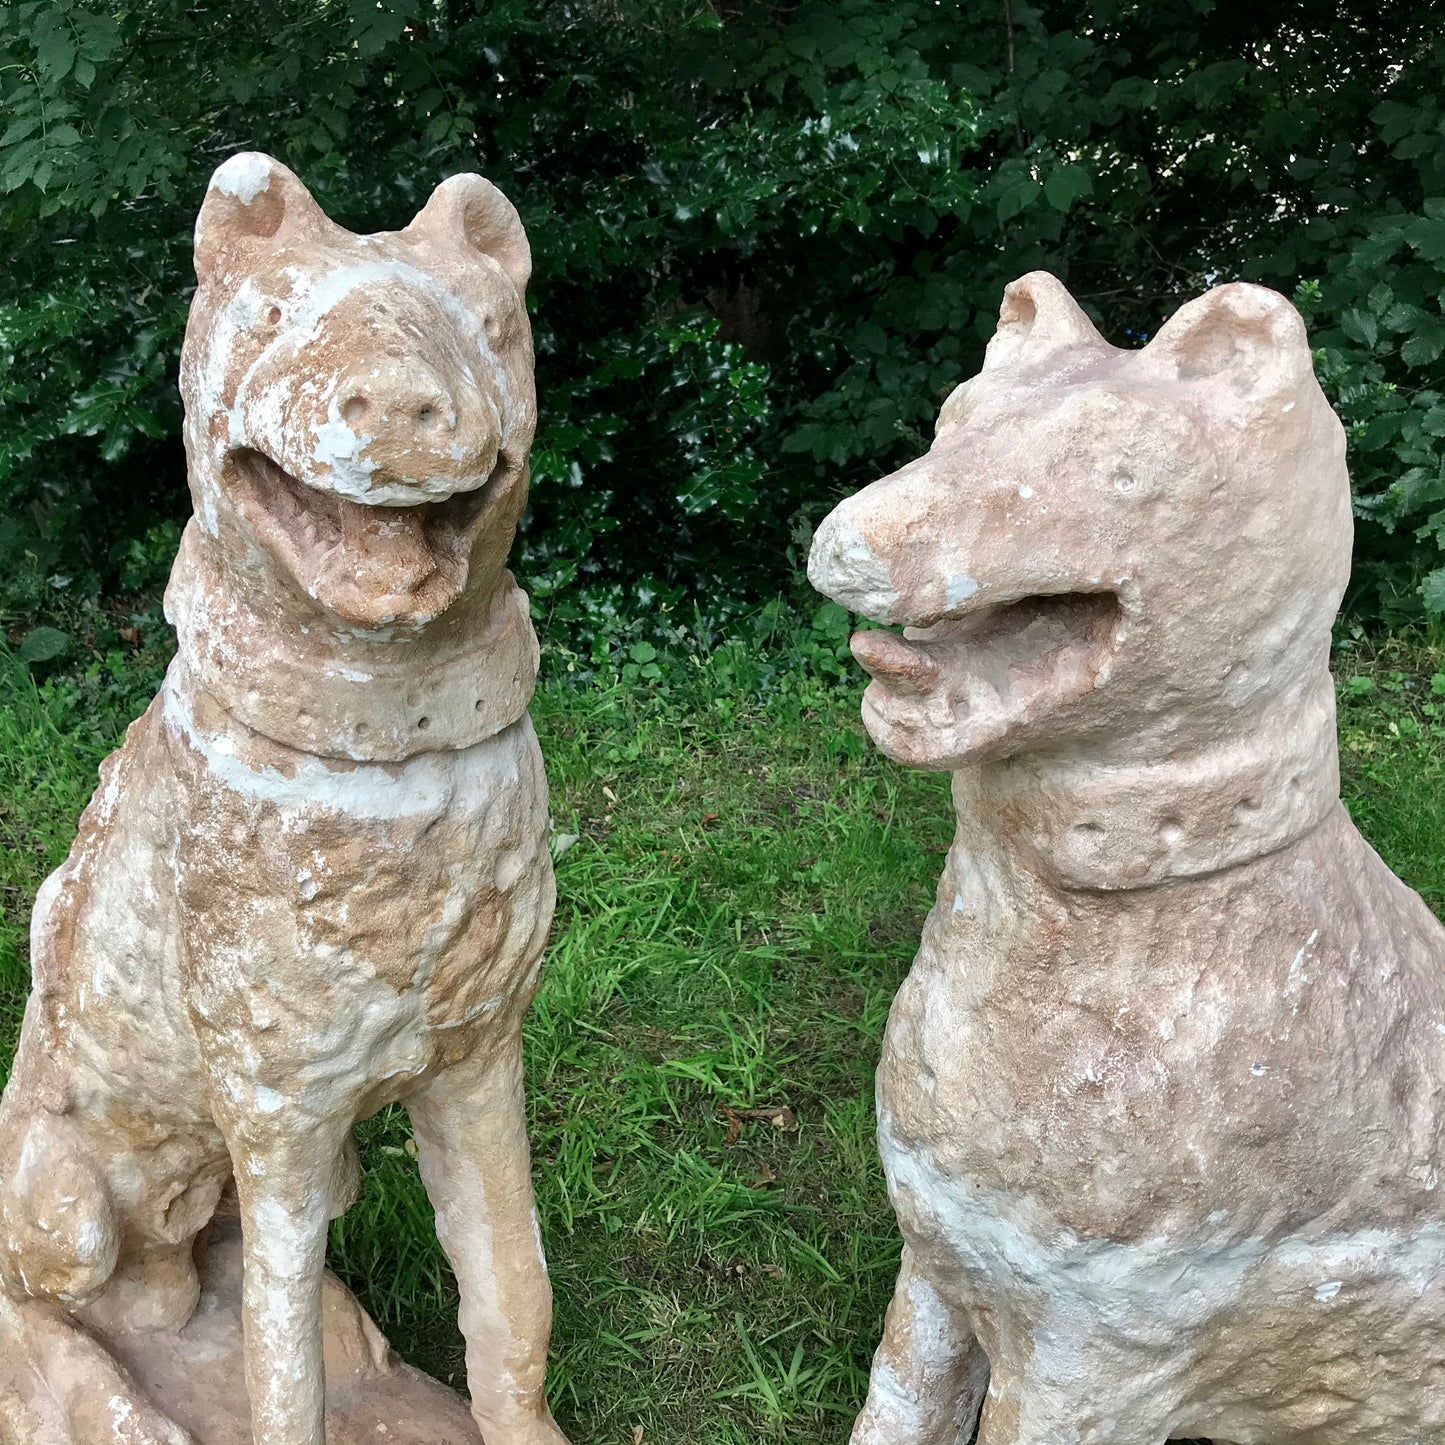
(314, 881)
(1162, 1100)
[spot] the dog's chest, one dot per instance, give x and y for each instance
(332, 904)
(1136, 1063)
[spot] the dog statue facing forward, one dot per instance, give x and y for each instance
(1162, 1100)
(315, 879)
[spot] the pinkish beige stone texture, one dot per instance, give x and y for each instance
(314, 881)
(1162, 1100)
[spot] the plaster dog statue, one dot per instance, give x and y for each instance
(315, 879)
(1162, 1101)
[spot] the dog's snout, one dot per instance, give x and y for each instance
(410, 431)
(402, 399)
(843, 566)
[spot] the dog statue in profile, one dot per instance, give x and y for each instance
(315, 879)
(1162, 1101)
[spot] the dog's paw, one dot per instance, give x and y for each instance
(127, 1419)
(68, 1369)
(533, 1430)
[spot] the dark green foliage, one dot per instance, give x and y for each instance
(768, 238)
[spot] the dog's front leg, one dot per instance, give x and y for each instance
(929, 1373)
(472, 1141)
(285, 1165)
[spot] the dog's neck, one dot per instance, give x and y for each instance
(315, 692)
(1104, 827)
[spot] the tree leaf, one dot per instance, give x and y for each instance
(1432, 589)
(55, 54)
(1423, 348)
(44, 644)
(1360, 326)
(1066, 184)
(1016, 196)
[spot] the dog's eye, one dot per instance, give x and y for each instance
(273, 316)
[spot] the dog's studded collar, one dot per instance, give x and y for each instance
(380, 710)
(1123, 827)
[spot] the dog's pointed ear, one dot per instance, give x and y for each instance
(251, 203)
(1246, 338)
(470, 211)
(1038, 317)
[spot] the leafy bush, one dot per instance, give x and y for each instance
(768, 238)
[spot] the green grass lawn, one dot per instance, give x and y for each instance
(744, 892)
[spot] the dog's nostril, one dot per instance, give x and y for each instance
(354, 409)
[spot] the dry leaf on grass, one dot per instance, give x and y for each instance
(780, 1117)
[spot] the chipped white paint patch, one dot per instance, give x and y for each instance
(243, 177)
(1297, 978)
(426, 785)
(288, 1245)
(487, 1005)
(931, 1322)
(339, 450)
(121, 1410)
(843, 566)
(1025, 491)
(88, 1241)
(960, 588)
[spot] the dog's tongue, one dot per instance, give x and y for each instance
(889, 658)
(378, 549)
(387, 547)
(378, 559)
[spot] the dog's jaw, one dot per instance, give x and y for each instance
(342, 693)
(985, 665)
(959, 690)
(373, 566)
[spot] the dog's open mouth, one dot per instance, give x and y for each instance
(970, 681)
(371, 565)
